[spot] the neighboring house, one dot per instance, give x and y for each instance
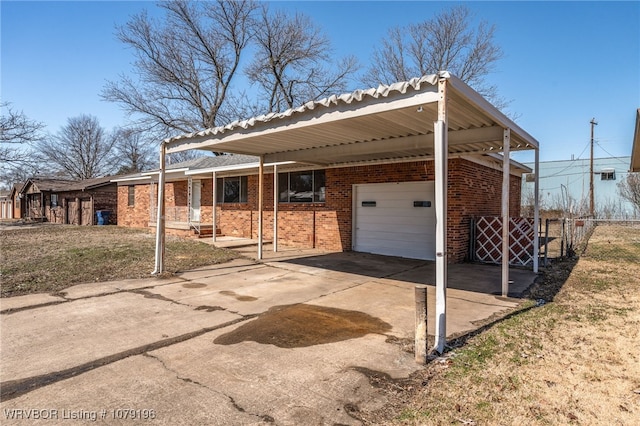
(318, 206)
(564, 186)
(69, 202)
(17, 201)
(6, 205)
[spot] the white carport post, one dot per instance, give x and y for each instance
(159, 266)
(506, 174)
(441, 154)
(536, 213)
(214, 204)
(275, 208)
(260, 200)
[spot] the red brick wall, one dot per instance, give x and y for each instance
(136, 216)
(474, 190)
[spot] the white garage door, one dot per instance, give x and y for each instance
(395, 219)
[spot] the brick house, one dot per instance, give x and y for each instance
(70, 202)
(323, 217)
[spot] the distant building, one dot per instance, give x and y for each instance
(6, 205)
(564, 186)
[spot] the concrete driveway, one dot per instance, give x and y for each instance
(293, 340)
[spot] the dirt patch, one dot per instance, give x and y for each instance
(240, 297)
(302, 325)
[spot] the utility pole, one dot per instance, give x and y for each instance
(591, 197)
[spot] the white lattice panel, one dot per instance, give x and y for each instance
(488, 246)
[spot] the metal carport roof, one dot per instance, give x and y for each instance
(386, 123)
(432, 117)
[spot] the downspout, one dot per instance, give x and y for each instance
(441, 154)
(536, 213)
(506, 143)
(160, 212)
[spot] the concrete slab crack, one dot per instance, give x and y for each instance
(236, 406)
(14, 388)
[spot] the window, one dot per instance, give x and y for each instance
(132, 196)
(231, 190)
(54, 200)
(608, 175)
(302, 187)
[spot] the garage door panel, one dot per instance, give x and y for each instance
(377, 213)
(400, 222)
(398, 229)
(394, 226)
(413, 243)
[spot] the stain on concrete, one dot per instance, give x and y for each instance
(302, 325)
(193, 285)
(240, 297)
(209, 308)
(150, 295)
(381, 380)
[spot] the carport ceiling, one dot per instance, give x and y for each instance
(387, 123)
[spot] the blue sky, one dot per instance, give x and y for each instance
(565, 62)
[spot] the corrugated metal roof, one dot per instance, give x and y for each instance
(357, 96)
(387, 123)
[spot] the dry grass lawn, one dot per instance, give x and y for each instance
(573, 360)
(49, 258)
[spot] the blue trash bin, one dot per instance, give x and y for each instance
(103, 217)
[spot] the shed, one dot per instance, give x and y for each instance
(69, 202)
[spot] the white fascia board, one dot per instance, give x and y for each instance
(157, 172)
(515, 169)
(233, 168)
(130, 179)
(514, 163)
(476, 99)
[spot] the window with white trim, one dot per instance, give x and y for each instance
(608, 175)
(231, 189)
(302, 187)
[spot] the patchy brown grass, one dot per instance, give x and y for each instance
(574, 360)
(49, 258)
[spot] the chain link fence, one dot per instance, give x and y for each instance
(562, 238)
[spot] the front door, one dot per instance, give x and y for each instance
(195, 200)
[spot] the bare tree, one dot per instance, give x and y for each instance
(446, 42)
(293, 63)
(80, 150)
(185, 65)
(17, 132)
(629, 189)
(133, 150)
